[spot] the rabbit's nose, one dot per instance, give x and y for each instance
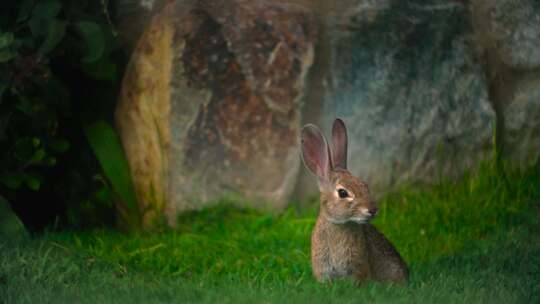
(373, 211)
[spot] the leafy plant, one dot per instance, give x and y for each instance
(108, 149)
(10, 225)
(51, 53)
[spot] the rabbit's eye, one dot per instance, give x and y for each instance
(342, 193)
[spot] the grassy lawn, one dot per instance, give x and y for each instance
(472, 241)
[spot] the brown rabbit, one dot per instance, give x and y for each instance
(343, 243)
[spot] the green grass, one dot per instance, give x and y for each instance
(472, 241)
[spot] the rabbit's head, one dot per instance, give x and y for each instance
(344, 197)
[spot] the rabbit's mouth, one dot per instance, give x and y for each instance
(361, 219)
(365, 216)
(358, 216)
(356, 219)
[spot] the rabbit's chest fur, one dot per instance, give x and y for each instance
(339, 252)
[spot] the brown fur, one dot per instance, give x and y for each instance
(343, 243)
(351, 249)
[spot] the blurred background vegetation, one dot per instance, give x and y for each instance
(60, 70)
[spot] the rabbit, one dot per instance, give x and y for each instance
(343, 242)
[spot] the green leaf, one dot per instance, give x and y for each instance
(32, 182)
(103, 69)
(75, 10)
(25, 8)
(38, 156)
(108, 150)
(57, 31)
(94, 40)
(12, 180)
(24, 149)
(28, 42)
(25, 106)
(11, 226)
(103, 195)
(47, 8)
(6, 39)
(50, 161)
(39, 26)
(59, 145)
(6, 56)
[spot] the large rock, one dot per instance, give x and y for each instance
(211, 100)
(522, 126)
(507, 36)
(511, 29)
(403, 77)
(210, 105)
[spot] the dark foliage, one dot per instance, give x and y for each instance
(60, 67)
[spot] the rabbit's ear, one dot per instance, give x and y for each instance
(339, 143)
(315, 153)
